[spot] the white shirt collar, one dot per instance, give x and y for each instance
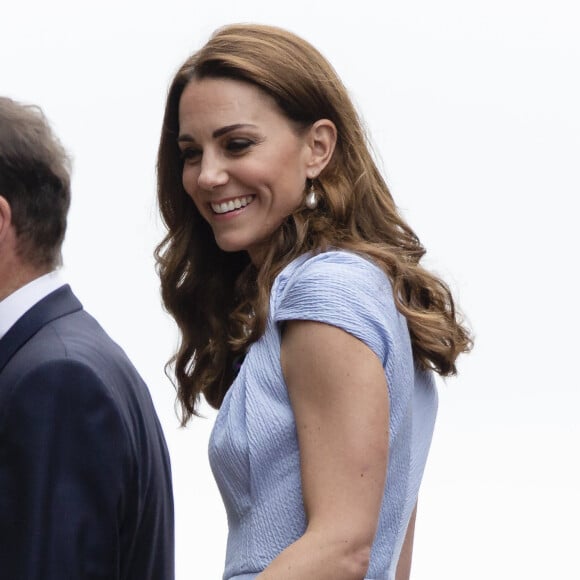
(18, 303)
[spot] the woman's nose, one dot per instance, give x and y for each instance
(212, 172)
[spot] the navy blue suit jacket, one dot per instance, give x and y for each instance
(85, 481)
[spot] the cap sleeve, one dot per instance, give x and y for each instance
(344, 290)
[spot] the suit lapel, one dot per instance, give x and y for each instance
(58, 303)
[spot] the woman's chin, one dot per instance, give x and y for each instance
(230, 245)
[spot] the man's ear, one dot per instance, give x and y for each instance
(5, 218)
(322, 140)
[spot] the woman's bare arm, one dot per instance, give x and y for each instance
(339, 395)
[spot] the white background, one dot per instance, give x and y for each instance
(473, 108)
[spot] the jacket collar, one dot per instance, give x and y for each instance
(57, 304)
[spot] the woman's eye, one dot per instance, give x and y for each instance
(238, 145)
(190, 154)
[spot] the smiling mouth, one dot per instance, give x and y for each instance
(232, 204)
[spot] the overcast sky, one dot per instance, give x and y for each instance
(473, 111)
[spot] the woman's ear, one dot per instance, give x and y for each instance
(322, 137)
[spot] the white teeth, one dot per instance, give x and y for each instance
(231, 205)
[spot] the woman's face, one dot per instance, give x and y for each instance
(245, 164)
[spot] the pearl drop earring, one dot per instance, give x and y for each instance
(311, 198)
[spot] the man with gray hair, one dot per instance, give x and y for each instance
(85, 481)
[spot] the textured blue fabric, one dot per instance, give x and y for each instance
(253, 447)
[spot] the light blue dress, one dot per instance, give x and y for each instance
(253, 448)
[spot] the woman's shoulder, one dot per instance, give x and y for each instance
(343, 289)
(335, 278)
(332, 266)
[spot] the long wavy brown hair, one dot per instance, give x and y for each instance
(220, 300)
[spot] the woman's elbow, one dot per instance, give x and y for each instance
(343, 555)
(355, 561)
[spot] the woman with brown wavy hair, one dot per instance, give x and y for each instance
(305, 315)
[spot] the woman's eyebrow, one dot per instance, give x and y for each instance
(217, 133)
(185, 138)
(228, 128)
